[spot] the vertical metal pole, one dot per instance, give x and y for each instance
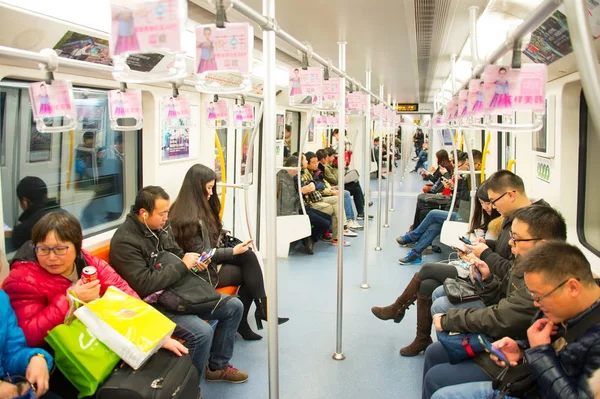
(473, 37)
(339, 354)
(388, 167)
(379, 170)
(269, 125)
(394, 127)
(367, 181)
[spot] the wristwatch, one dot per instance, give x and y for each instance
(39, 355)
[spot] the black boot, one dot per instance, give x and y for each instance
(261, 313)
(308, 245)
(244, 328)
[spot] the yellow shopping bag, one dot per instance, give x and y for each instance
(130, 327)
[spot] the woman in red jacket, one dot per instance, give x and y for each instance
(46, 267)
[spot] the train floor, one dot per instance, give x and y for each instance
(373, 367)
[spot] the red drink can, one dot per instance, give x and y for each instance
(89, 273)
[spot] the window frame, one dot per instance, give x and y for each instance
(582, 174)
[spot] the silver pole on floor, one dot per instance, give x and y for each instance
(269, 125)
(339, 354)
(388, 167)
(379, 170)
(393, 157)
(367, 182)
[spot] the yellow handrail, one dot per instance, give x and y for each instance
(223, 172)
(511, 164)
(484, 155)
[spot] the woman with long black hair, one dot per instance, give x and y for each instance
(197, 227)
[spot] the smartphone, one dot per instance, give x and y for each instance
(207, 255)
(465, 240)
(476, 276)
(495, 351)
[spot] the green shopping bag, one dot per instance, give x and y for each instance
(82, 358)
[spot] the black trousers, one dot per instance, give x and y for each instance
(320, 223)
(358, 196)
(243, 270)
(432, 275)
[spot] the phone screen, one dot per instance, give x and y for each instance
(207, 255)
(495, 351)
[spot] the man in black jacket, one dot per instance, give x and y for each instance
(142, 250)
(511, 316)
(562, 349)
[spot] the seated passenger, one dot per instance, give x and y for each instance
(330, 194)
(197, 227)
(44, 269)
(314, 199)
(510, 316)
(17, 359)
(326, 158)
(433, 225)
(288, 203)
(422, 159)
(33, 200)
(496, 254)
(562, 348)
(134, 251)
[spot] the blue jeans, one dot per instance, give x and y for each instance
(439, 373)
(441, 304)
(348, 205)
(216, 347)
(428, 229)
(471, 390)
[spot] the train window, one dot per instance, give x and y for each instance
(588, 211)
(90, 172)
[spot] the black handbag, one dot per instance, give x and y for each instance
(165, 375)
(459, 290)
(226, 240)
(190, 295)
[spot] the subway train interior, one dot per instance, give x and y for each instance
(498, 84)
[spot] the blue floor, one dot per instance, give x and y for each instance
(373, 367)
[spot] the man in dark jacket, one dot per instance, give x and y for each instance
(511, 316)
(562, 348)
(144, 252)
(33, 199)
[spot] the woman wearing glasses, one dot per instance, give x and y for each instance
(44, 269)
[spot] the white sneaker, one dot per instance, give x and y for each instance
(353, 224)
(335, 242)
(350, 233)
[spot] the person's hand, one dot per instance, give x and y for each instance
(448, 184)
(334, 192)
(477, 248)
(176, 347)
(37, 373)
(191, 259)
(8, 390)
(437, 322)
(87, 292)
(466, 256)
(510, 349)
(483, 268)
(241, 248)
(539, 333)
(478, 240)
(309, 188)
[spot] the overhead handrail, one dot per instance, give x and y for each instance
(585, 55)
(511, 164)
(249, 161)
(535, 19)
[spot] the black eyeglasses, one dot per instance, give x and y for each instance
(58, 250)
(541, 298)
(493, 202)
(516, 240)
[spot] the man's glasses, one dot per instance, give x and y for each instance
(541, 298)
(493, 202)
(516, 240)
(58, 250)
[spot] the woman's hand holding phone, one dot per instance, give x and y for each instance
(241, 248)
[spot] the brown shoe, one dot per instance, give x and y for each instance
(424, 322)
(396, 310)
(228, 374)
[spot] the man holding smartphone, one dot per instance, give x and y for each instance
(562, 347)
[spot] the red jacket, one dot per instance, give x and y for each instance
(39, 298)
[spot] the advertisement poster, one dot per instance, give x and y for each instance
(357, 102)
(176, 143)
(331, 92)
(81, 47)
(224, 49)
(150, 26)
(551, 41)
(50, 101)
(306, 86)
(126, 104)
(280, 126)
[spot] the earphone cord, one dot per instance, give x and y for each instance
(151, 232)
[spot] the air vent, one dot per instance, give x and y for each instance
(430, 20)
